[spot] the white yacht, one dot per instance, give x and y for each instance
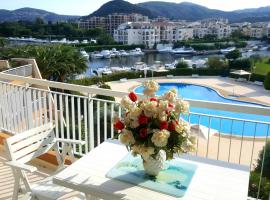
(84, 54)
(165, 50)
(102, 71)
(171, 65)
(136, 52)
(106, 53)
(227, 50)
(158, 67)
(96, 55)
(183, 50)
(123, 53)
(120, 69)
(140, 66)
(115, 52)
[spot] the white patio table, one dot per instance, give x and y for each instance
(213, 180)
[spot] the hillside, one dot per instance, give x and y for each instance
(30, 14)
(120, 6)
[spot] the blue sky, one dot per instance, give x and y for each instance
(85, 7)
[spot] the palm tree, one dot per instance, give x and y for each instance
(56, 62)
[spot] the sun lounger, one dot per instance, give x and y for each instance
(195, 75)
(123, 80)
(169, 76)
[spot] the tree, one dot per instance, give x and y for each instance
(232, 55)
(267, 87)
(216, 63)
(244, 63)
(3, 42)
(56, 62)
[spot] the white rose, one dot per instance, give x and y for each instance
(146, 152)
(126, 102)
(134, 112)
(182, 128)
(170, 96)
(163, 105)
(126, 137)
(162, 116)
(150, 88)
(181, 106)
(160, 137)
(149, 108)
(134, 123)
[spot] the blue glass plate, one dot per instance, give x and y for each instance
(173, 180)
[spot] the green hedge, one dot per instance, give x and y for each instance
(134, 75)
(91, 48)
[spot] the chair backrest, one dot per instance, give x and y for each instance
(30, 144)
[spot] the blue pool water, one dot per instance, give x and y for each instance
(225, 126)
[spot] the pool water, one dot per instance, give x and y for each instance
(224, 126)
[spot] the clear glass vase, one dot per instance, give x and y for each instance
(152, 166)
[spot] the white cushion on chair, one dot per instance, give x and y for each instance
(46, 189)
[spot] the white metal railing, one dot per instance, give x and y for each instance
(89, 119)
(25, 71)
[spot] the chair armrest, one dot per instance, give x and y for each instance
(21, 166)
(70, 141)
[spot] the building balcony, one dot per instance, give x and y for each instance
(28, 102)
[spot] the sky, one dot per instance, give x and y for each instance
(85, 7)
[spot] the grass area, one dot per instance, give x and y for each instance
(263, 67)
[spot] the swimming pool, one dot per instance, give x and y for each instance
(225, 126)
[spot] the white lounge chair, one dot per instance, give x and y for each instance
(122, 80)
(29, 145)
(195, 75)
(169, 76)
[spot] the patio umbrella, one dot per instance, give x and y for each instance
(241, 73)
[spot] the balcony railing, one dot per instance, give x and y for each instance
(83, 117)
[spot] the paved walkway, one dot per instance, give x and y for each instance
(225, 86)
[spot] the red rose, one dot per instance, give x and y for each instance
(143, 119)
(171, 126)
(170, 105)
(132, 96)
(153, 99)
(119, 125)
(143, 132)
(163, 125)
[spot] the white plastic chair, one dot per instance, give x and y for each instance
(27, 146)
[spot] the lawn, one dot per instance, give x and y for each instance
(262, 67)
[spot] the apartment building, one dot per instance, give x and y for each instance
(110, 22)
(150, 33)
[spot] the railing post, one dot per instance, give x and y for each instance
(91, 122)
(28, 105)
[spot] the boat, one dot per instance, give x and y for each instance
(136, 52)
(183, 50)
(171, 65)
(84, 54)
(102, 71)
(227, 50)
(120, 69)
(165, 50)
(115, 52)
(140, 66)
(106, 54)
(96, 55)
(123, 53)
(158, 67)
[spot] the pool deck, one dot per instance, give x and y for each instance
(226, 148)
(225, 86)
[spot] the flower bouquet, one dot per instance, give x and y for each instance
(152, 127)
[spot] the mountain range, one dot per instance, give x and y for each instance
(30, 14)
(183, 11)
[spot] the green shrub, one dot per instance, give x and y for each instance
(257, 77)
(233, 54)
(266, 167)
(244, 63)
(182, 64)
(216, 63)
(267, 81)
(254, 186)
(104, 86)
